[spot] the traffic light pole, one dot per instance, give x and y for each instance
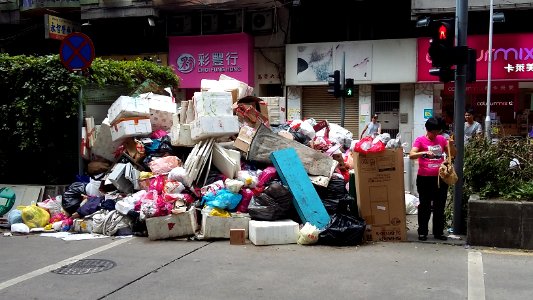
(460, 95)
(343, 77)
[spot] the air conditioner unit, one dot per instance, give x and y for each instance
(209, 23)
(180, 25)
(231, 21)
(263, 21)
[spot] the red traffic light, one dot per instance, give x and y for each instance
(443, 32)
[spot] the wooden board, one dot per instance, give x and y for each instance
(306, 200)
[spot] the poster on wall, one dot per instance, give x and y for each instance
(315, 63)
(357, 57)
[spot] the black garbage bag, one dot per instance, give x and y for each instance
(73, 196)
(274, 203)
(336, 198)
(343, 230)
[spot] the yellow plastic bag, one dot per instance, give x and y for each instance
(34, 216)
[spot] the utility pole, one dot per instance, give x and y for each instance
(461, 25)
(343, 80)
(489, 72)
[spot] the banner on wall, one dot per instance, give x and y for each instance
(194, 58)
(512, 57)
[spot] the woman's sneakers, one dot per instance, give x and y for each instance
(422, 237)
(440, 237)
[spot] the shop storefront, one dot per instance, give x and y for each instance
(511, 83)
(384, 72)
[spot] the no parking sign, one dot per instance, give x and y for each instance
(76, 51)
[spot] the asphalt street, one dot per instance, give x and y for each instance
(36, 267)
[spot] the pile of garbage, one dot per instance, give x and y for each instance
(213, 167)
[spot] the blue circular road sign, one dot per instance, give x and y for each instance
(76, 51)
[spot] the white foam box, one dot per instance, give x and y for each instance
(172, 226)
(213, 103)
(131, 127)
(125, 107)
(180, 134)
(214, 227)
(206, 127)
(273, 232)
(161, 114)
(104, 146)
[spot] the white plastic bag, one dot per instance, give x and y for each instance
(308, 234)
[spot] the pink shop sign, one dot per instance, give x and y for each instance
(194, 58)
(512, 57)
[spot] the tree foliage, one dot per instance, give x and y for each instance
(39, 103)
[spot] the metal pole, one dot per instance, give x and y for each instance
(461, 22)
(489, 72)
(80, 127)
(343, 79)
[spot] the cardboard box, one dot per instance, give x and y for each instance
(244, 139)
(237, 237)
(104, 146)
(171, 226)
(381, 195)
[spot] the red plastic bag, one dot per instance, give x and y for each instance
(366, 145)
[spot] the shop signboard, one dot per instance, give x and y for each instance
(512, 57)
(208, 56)
(57, 28)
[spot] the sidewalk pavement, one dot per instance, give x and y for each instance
(412, 234)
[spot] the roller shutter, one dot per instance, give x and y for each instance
(318, 104)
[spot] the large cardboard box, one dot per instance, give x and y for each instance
(380, 194)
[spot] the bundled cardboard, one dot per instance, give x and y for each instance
(212, 104)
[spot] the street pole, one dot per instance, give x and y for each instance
(80, 127)
(461, 22)
(343, 79)
(489, 75)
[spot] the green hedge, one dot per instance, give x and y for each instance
(39, 111)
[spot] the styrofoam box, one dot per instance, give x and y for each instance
(213, 103)
(206, 127)
(125, 107)
(273, 232)
(171, 226)
(161, 114)
(214, 227)
(131, 127)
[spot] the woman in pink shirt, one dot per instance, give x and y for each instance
(429, 149)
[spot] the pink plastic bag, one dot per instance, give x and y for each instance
(164, 164)
(365, 145)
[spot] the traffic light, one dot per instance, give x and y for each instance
(442, 49)
(349, 88)
(334, 83)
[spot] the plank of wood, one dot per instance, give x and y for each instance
(306, 200)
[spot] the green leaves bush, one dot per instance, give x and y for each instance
(488, 171)
(39, 107)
